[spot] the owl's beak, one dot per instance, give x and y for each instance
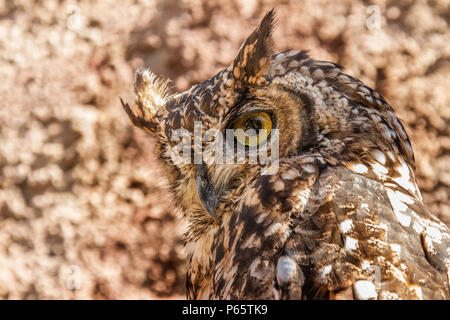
(209, 196)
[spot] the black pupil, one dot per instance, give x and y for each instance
(255, 124)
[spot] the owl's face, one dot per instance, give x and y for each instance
(267, 107)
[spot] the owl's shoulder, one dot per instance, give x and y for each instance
(354, 234)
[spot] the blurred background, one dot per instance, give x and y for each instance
(84, 210)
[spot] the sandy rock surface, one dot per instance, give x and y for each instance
(84, 209)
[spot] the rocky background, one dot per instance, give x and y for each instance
(84, 210)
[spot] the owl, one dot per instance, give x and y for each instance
(296, 181)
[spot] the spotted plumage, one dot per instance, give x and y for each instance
(340, 216)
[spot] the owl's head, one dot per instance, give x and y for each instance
(217, 137)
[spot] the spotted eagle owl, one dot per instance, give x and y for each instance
(336, 215)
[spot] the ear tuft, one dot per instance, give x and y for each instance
(255, 53)
(152, 93)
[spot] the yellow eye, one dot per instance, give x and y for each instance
(252, 129)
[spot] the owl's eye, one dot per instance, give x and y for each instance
(252, 129)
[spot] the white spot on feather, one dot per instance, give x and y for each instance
(358, 168)
(391, 155)
(403, 169)
(379, 156)
(309, 168)
(379, 168)
(417, 290)
(405, 179)
(434, 234)
(392, 134)
(398, 274)
(404, 197)
(302, 197)
(323, 273)
(365, 90)
(286, 268)
(396, 248)
(324, 64)
(346, 226)
(276, 295)
(399, 207)
(350, 243)
(365, 290)
(387, 295)
(375, 117)
(418, 227)
(365, 265)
